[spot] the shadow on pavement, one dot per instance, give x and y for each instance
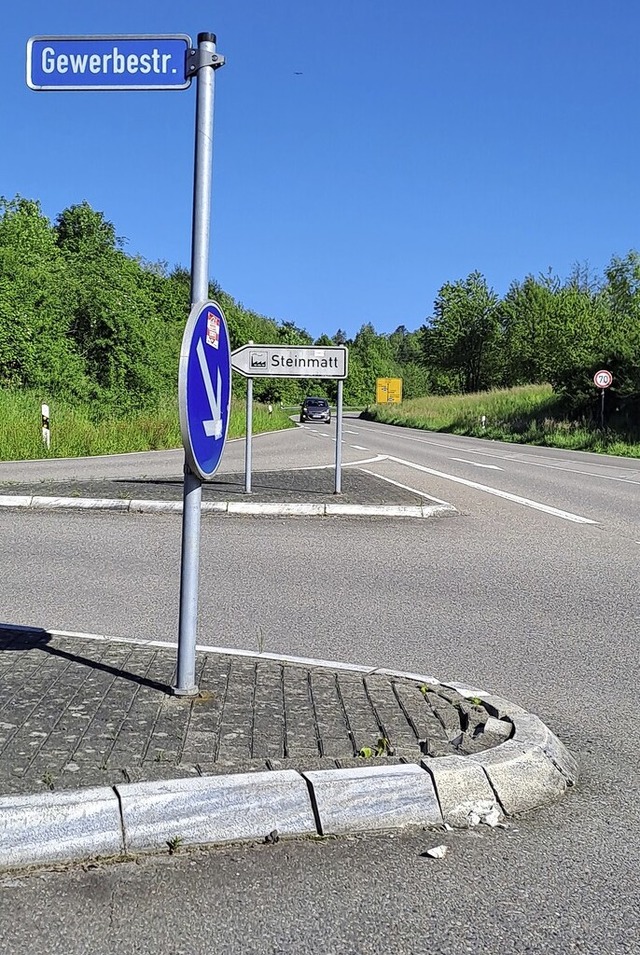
(14, 637)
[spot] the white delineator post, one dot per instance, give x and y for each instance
(46, 430)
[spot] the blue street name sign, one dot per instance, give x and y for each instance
(204, 388)
(108, 62)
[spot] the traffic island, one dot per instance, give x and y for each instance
(99, 758)
(302, 492)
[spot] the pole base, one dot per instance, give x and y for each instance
(185, 690)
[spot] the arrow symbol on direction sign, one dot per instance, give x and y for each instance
(213, 426)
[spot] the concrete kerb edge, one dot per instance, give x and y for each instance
(530, 770)
(256, 508)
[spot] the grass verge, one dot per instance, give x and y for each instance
(530, 414)
(78, 431)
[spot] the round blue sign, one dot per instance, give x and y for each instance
(204, 388)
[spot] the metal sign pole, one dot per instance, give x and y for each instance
(338, 485)
(249, 437)
(201, 62)
(602, 390)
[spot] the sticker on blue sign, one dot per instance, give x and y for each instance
(204, 388)
(108, 62)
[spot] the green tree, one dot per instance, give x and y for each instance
(462, 340)
(82, 230)
(35, 347)
(527, 314)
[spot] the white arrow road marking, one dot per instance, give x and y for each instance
(476, 464)
(213, 426)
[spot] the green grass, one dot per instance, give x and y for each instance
(76, 430)
(530, 414)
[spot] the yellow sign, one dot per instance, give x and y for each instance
(388, 390)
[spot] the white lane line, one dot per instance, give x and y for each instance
(476, 464)
(405, 487)
(599, 477)
(536, 505)
(520, 456)
(346, 431)
(357, 447)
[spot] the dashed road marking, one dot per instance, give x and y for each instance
(477, 464)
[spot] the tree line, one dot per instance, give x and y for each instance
(80, 319)
(542, 330)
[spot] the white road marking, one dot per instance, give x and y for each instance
(345, 464)
(405, 487)
(357, 447)
(536, 505)
(602, 477)
(476, 464)
(346, 431)
(357, 464)
(524, 458)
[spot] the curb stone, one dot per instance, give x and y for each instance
(461, 786)
(530, 770)
(230, 507)
(56, 827)
(215, 809)
(373, 798)
(522, 776)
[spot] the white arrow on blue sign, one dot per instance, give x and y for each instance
(204, 388)
(108, 62)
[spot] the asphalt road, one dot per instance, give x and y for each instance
(536, 604)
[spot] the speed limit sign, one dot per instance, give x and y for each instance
(602, 378)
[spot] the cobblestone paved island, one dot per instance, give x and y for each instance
(79, 712)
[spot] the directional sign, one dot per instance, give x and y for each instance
(108, 62)
(602, 378)
(276, 361)
(204, 388)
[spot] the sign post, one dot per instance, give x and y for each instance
(388, 390)
(602, 380)
(149, 62)
(337, 488)
(108, 62)
(249, 435)
(292, 361)
(201, 62)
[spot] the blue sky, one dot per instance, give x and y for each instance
(423, 139)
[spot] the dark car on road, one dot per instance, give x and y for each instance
(315, 409)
